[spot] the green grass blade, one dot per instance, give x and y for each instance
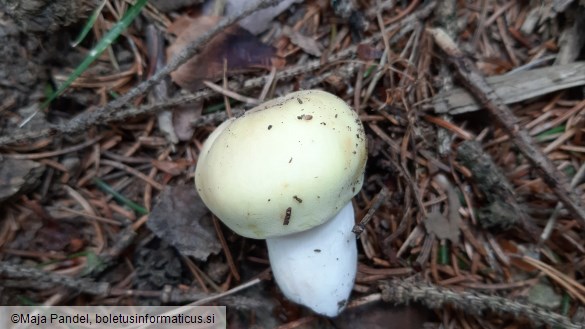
(370, 70)
(89, 24)
(119, 197)
(443, 254)
(556, 130)
(565, 304)
(26, 301)
(102, 45)
(217, 107)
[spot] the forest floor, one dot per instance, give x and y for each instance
(472, 213)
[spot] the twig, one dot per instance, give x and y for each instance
(99, 235)
(183, 56)
(42, 155)
(87, 119)
(114, 111)
(514, 87)
(90, 216)
(36, 275)
(460, 132)
(232, 94)
(446, 10)
(572, 287)
(29, 277)
(134, 172)
(401, 167)
(497, 189)
(404, 13)
(226, 249)
(426, 248)
(485, 94)
(378, 201)
(435, 297)
(122, 241)
(553, 217)
(209, 299)
(156, 53)
(215, 117)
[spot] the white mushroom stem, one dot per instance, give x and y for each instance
(317, 267)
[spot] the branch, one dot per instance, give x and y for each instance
(115, 110)
(405, 292)
(516, 87)
(39, 276)
(85, 120)
(476, 83)
(29, 277)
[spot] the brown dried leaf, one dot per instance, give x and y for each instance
(239, 48)
(180, 218)
(57, 236)
(173, 168)
(494, 66)
(511, 248)
(367, 52)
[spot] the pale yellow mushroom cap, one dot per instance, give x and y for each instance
(285, 166)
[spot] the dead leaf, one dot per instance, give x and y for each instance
(494, 66)
(367, 52)
(165, 124)
(260, 20)
(445, 226)
(510, 248)
(308, 44)
(239, 48)
(18, 176)
(183, 118)
(181, 219)
(173, 168)
(58, 236)
(543, 295)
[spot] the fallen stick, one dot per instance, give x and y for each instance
(402, 292)
(476, 83)
(516, 87)
(121, 108)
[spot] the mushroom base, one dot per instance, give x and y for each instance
(317, 268)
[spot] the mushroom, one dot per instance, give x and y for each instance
(286, 171)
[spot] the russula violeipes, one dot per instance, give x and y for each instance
(286, 171)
